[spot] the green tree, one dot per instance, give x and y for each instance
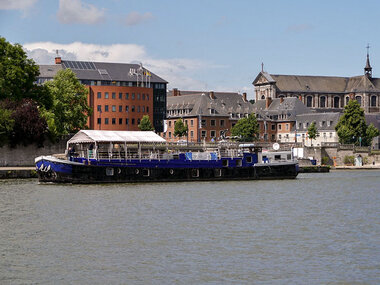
(352, 124)
(180, 129)
(70, 109)
(6, 125)
(371, 132)
(17, 72)
(145, 124)
(246, 128)
(312, 132)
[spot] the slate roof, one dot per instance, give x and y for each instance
(318, 118)
(374, 119)
(114, 71)
(290, 107)
(201, 103)
(322, 84)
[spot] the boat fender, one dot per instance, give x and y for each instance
(137, 171)
(171, 171)
(119, 171)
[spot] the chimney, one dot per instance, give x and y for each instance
(268, 101)
(281, 99)
(175, 92)
(58, 60)
(212, 95)
(245, 97)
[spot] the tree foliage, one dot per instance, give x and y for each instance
(70, 109)
(180, 129)
(6, 125)
(17, 72)
(312, 132)
(145, 124)
(371, 133)
(246, 128)
(352, 126)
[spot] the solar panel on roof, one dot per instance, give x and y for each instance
(92, 65)
(80, 64)
(87, 65)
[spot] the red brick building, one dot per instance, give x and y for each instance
(120, 94)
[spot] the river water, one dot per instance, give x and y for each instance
(317, 229)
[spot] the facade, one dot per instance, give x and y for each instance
(322, 93)
(208, 115)
(277, 118)
(325, 124)
(120, 94)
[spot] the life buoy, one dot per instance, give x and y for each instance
(171, 171)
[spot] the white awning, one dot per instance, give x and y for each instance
(92, 136)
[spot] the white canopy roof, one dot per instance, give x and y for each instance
(91, 136)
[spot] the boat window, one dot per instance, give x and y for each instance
(239, 163)
(218, 172)
(146, 172)
(225, 162)
(277, 157)
(195, 172)
(289, 156)
(109, 171)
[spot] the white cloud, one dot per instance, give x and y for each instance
(76, 12)
(16, 4)
(135, 18)
(179, 72)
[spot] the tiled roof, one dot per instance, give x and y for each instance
(201, 104)
(99, 71)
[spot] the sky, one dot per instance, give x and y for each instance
(208, 45)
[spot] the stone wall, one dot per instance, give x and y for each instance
(25, 155)
(338, 155)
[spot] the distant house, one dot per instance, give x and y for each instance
(325, 124)
(208, 115)
(119, 93)
(322, 93)
(277, 118)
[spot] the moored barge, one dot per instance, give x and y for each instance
(127, 156)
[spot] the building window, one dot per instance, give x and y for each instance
(120, 108)
(347, 100)
(113, 95)
(126, 108)
(147, 109)
(138, 96)
(212, 123)
(336, 102)
(113, 121)
(106, 108)
(273, 127)
(106, 95)
(106, 121)
(127, 121)
(279, 137)
(99, 95)
(133, 96)
(113, 108)
(273, 137)
(138, 121)
(213, 134)
(204, 133)
(138, 109)
(143, 96)
(222, 123)
(99, 108)
(120, 95)
(170, 134)
(373, 101)
(192, 134)
(203, 123)
(133, 108)
(147, 97)
(99, 121)
(331, 135)
(143, 109)
(309, 101)
(359, 99)
(170, 123)
(120, 121)
(126, 96)
(191, 122)
(287, 127)
(322, 102)
(133, 121)
(279, 127)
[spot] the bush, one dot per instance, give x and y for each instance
(349, 159)
(325, 160)
(365, 160)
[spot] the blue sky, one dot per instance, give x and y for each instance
(202, 45)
